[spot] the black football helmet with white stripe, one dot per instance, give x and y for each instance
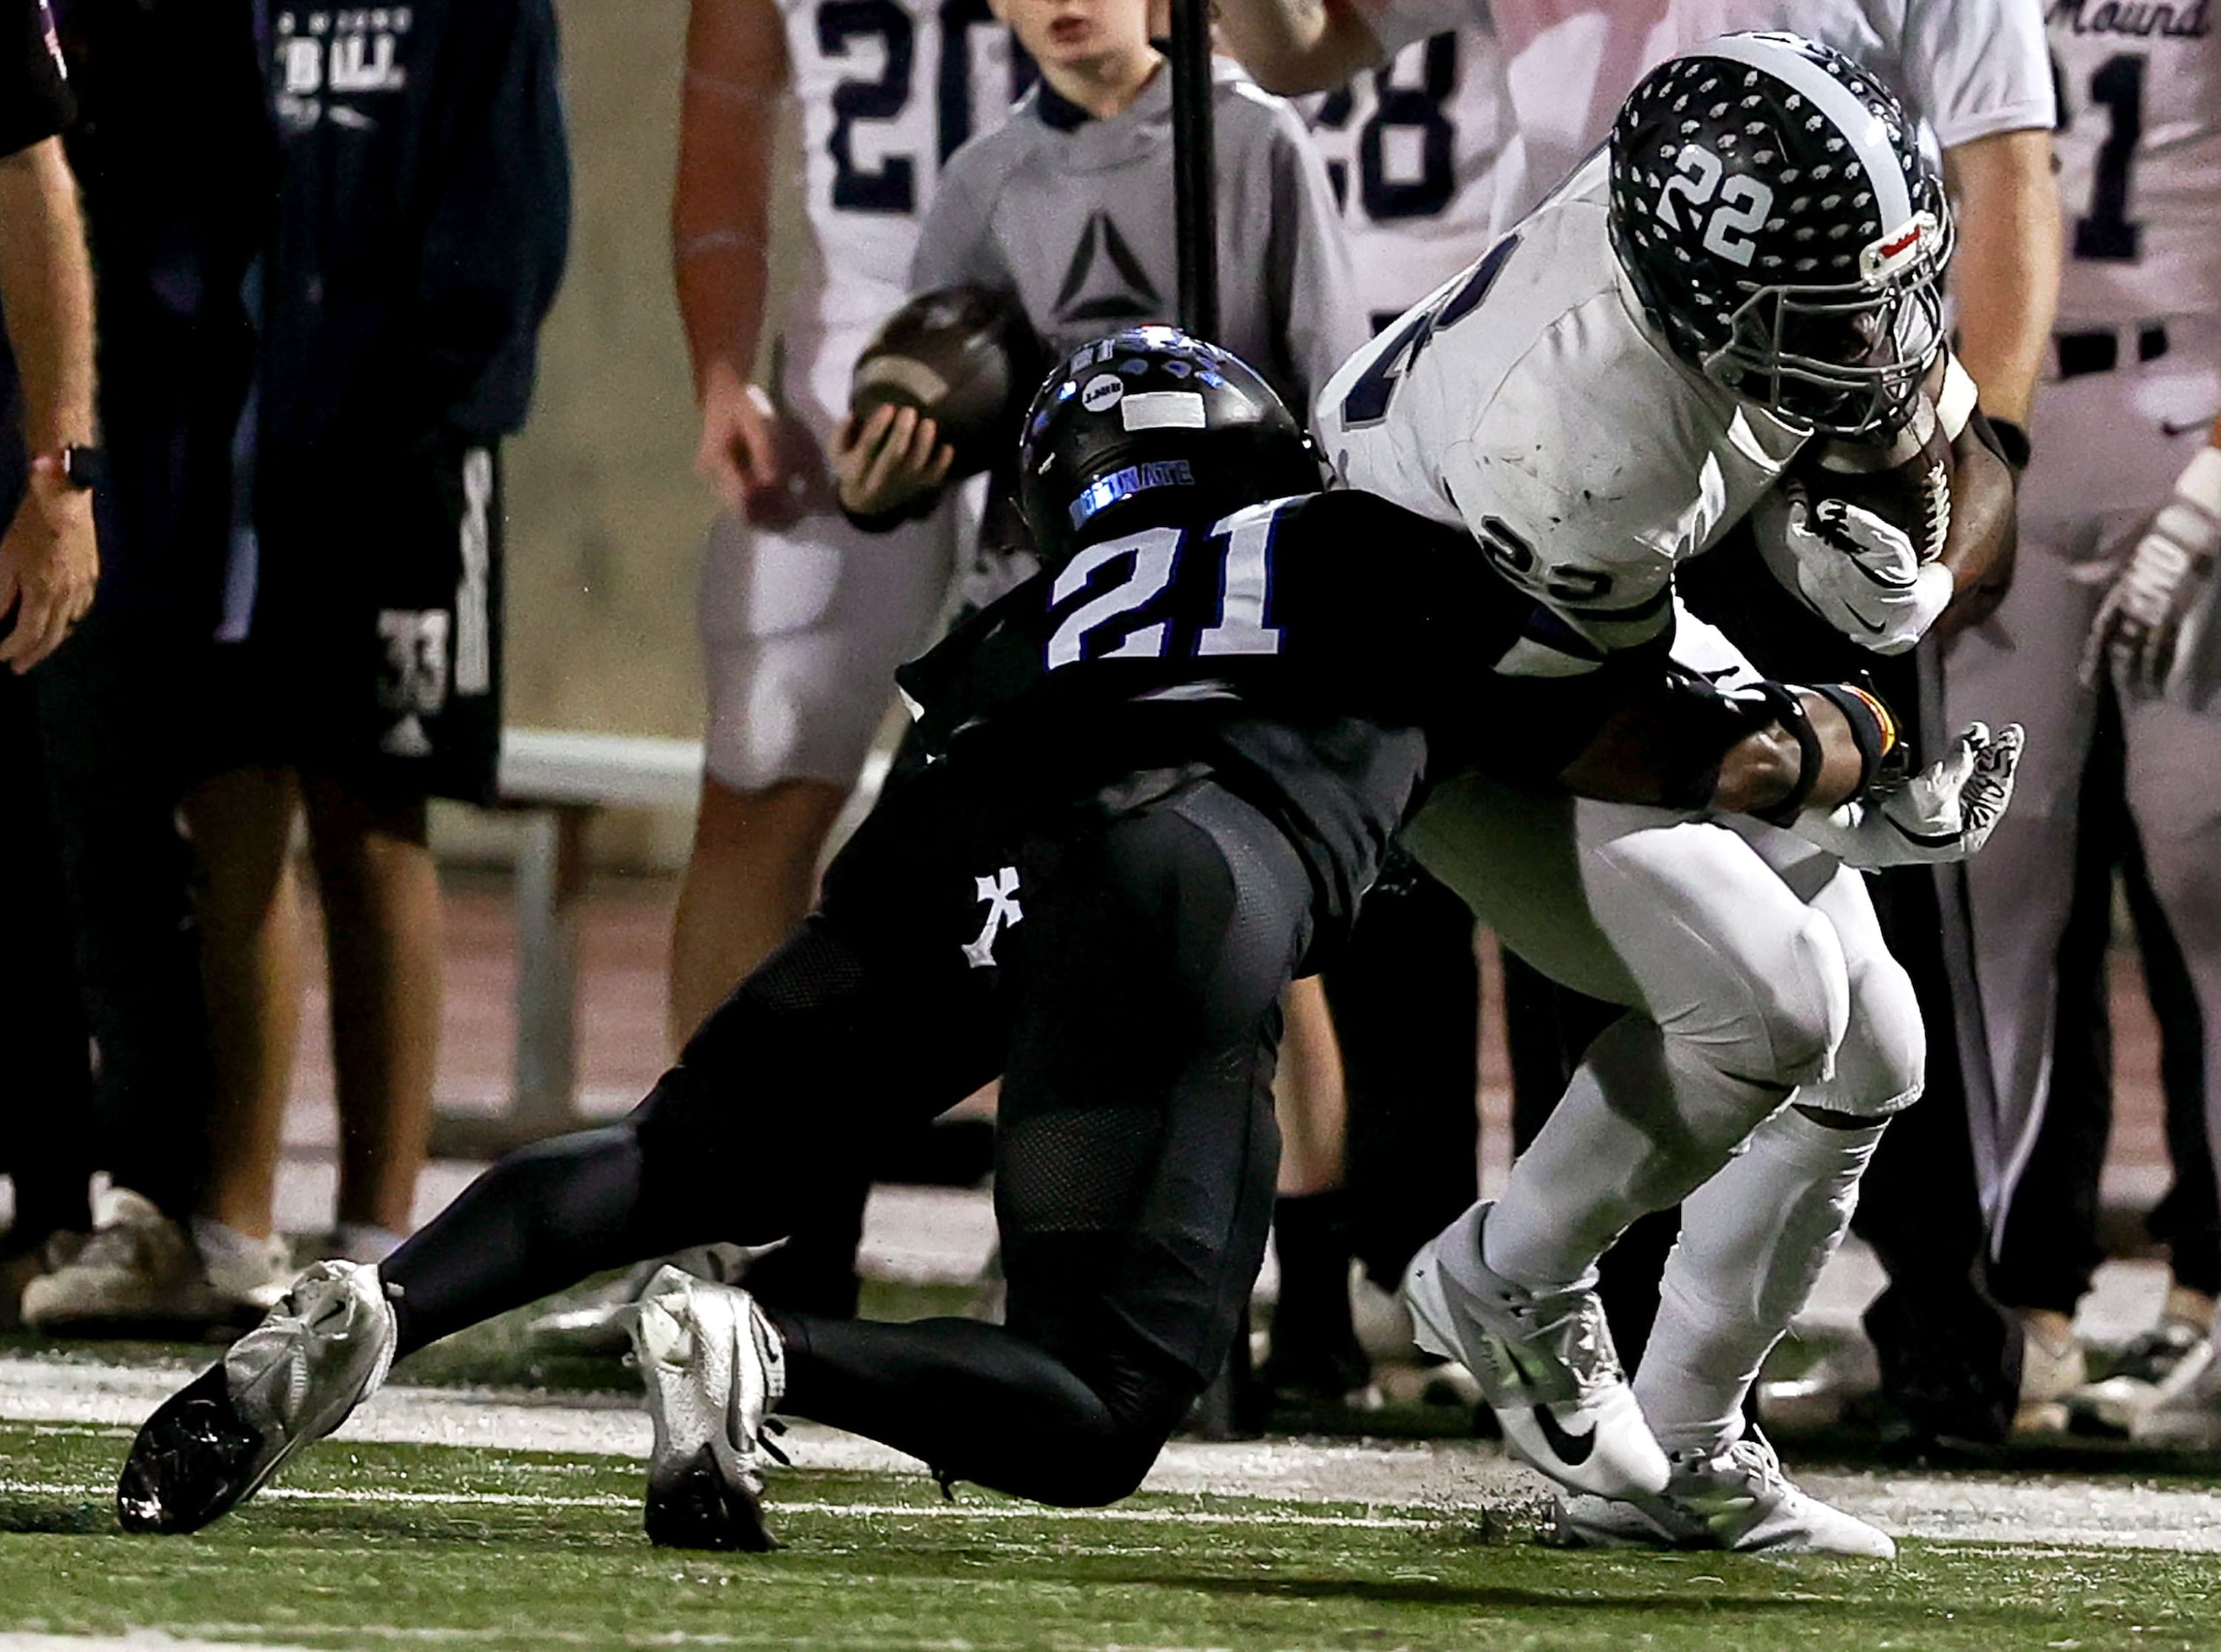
(1781, 227)
(1153, 425)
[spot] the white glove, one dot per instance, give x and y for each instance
(1944, 813)
(2150, 620)
(1861, 573)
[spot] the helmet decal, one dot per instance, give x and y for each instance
(1151, 426)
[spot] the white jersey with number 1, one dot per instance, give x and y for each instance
(2139, 156)
(888, 90)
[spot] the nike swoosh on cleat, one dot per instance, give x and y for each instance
(2168, 428)
(1570, 1448)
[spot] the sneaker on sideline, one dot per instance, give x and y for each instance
(139, 1272)
(23, 1264)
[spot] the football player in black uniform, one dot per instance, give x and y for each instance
(1168, 767)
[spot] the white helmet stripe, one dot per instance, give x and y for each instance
(1868, 138)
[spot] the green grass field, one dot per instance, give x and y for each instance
(375, 1546)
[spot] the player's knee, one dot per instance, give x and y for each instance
(1794, 1007)
(1882, 1064)
(1144, 1397)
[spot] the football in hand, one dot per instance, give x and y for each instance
(961, 356)
(1906, 481)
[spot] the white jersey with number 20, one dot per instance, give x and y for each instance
(888, 90)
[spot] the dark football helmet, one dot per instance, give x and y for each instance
(1780, 225)
(1153, 426)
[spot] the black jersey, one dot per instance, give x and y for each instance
(1323, 655)
(34, 95)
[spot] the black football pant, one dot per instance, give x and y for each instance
(1120, 965)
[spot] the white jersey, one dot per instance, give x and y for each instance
(888, 90)
(1528, 400)
(1412, 149)
(2139, 156)
(1967, 68)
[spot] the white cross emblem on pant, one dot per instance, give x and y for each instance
(1000, 892)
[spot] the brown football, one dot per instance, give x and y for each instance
(1906, 482)
(962, 355)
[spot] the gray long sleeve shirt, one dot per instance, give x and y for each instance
(1074, 217)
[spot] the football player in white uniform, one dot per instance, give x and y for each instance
(2124, 427)
(1976, 72)
(803, 617)
(1757, 260)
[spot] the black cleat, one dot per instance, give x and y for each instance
(195, 1460)
(698, 1508)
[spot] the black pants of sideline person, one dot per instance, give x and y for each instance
(105, 705)
(45, 1081)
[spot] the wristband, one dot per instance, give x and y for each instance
(2005, 439)
(1874, 729)
(1790, 713)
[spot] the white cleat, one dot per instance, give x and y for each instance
(1545, 1363)
(320, 1353)
(714, 1368)
(1737, 1499)
(2183, 1413)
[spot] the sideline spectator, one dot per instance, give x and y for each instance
(49, 565)
(421, 192)
(803, 618)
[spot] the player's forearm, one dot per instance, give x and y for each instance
(1292, 46)
(1984, 531)
(2005, 272)
(721, 199)
(1685, 745)
(46, 294)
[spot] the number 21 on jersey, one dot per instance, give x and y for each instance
(1149, 561)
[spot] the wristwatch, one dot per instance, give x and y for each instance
(78, 466)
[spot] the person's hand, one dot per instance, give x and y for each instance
(1944, 813)
(49, 564)
(888, 460)
(2157, 603)
(1862, 575)
(758, 459)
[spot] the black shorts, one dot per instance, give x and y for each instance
(373, 652)
(1118, 960)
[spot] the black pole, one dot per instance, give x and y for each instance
(1225, 1410)
(1195, 194)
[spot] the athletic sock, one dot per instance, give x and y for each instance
(543, 1218)
(1643, 1122)
(1753, 1241)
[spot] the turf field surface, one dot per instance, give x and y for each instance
(373, 1544)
